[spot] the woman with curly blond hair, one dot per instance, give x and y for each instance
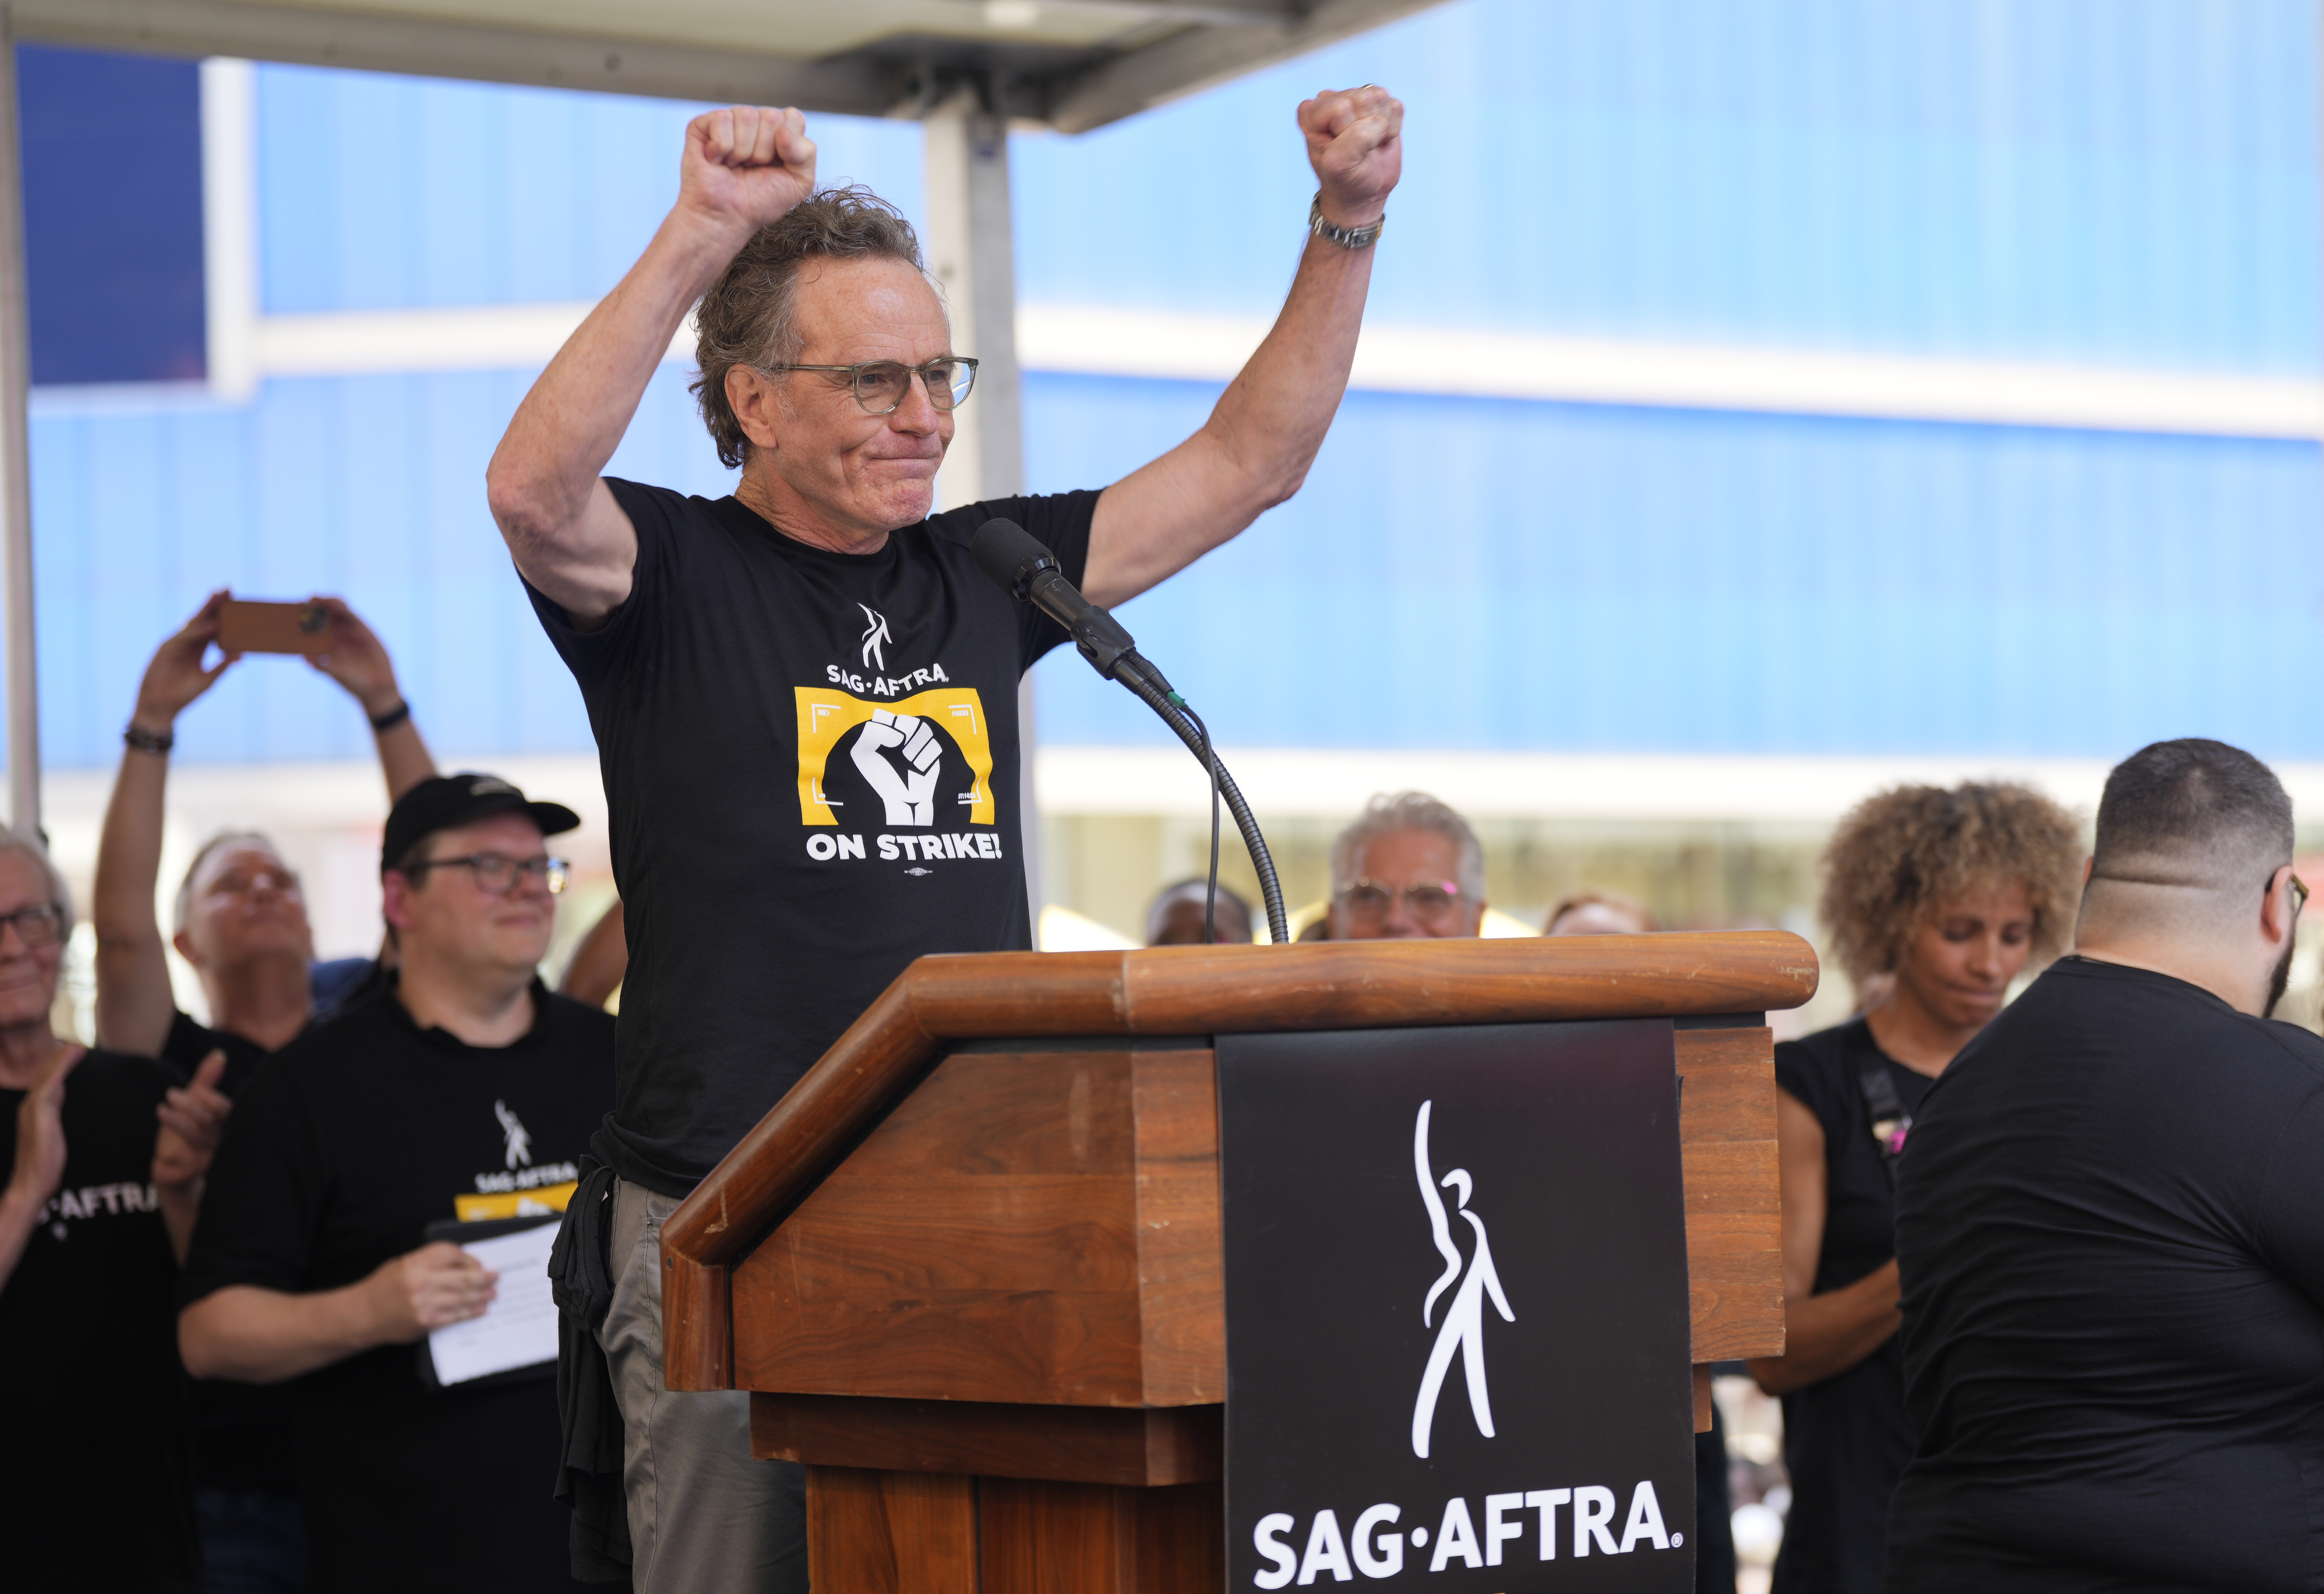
(1936, 899)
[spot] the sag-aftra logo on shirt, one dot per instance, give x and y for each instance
(916, 770)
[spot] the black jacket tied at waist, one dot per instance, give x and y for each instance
(589, 1474)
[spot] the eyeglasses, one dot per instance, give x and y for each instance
(1431, 902)
(881, 386)
(40, 925)
(496, 875)
(234, 883)
(2299, 894)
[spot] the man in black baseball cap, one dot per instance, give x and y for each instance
(445, 802)
(463, 1090)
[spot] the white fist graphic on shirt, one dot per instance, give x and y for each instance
(910, 795)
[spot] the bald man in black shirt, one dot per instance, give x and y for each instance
(2110, 1224)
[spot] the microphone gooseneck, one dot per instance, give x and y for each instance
(1022, 568)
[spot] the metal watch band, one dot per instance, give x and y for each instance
(1346, 237)
(144, 741)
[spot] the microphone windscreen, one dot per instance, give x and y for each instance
(1007, 552)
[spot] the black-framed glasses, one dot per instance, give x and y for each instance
(496, 872)
(881, 386)
(1430, 902)
(40, 925)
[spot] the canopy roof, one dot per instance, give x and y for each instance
(1071, 64)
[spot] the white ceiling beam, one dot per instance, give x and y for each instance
(1203, 58)
(433, 48)
(1074, 89)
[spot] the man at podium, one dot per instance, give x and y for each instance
(805, 694)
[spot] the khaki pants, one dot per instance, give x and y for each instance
(705, 1517)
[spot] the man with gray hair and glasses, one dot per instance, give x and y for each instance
(805, 695)
(2110, 1230)
(1409, 867)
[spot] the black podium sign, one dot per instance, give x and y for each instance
(1457, 1313)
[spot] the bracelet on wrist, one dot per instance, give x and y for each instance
(1362, 237)
(144, 741)
(393, 717)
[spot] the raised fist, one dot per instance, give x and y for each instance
(909, 795)
(744, 166)
(1355, 143)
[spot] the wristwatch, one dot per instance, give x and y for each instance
(1346, 237)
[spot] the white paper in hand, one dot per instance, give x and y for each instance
(520, 1328)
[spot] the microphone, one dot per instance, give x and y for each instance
(1026, 571)
(1008, 553)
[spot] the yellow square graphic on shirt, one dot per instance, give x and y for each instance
(826, 716)
(546, 1201)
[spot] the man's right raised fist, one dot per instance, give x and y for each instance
(746, 165)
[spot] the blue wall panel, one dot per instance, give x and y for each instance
(369, 487)
(113, 215)
(2130, 180)
(2113, 181)
(1478, 574)
(379, 192)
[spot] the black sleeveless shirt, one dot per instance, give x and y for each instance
(1846, 1440)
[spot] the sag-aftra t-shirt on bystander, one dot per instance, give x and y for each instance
(351, 1141)
(811, 768)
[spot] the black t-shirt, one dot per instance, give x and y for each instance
(1846, 1438)
(242, 1431)
(811, 768)
(95, 1473)
(351, 1141)
(341, 983)
(2112, 1232)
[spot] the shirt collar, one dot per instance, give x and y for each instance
(437, 1036)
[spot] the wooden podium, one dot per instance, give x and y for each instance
(970, 1266)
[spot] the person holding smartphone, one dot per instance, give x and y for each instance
(241, 921)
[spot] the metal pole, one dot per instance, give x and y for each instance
(972, 254)
(972, 251)
(22, 667)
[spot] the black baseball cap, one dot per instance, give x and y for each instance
(442, 802)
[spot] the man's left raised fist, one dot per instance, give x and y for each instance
(1355, 143)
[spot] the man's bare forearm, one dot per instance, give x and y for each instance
(134, 1003)
(1256, 447)
(546, 468)
(1274, 415)
(403, 757)
(1262, 436)
(260, 1336)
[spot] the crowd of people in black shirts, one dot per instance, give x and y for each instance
(2105, 1240)
(214, 1261)
(2053, 1275)
(2093, 1211)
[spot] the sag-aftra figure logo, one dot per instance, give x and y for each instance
(1464, 1319)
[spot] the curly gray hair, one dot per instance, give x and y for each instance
(1408, 810)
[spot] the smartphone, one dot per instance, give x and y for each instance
(274, 628)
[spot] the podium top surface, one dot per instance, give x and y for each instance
(1189, 990)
